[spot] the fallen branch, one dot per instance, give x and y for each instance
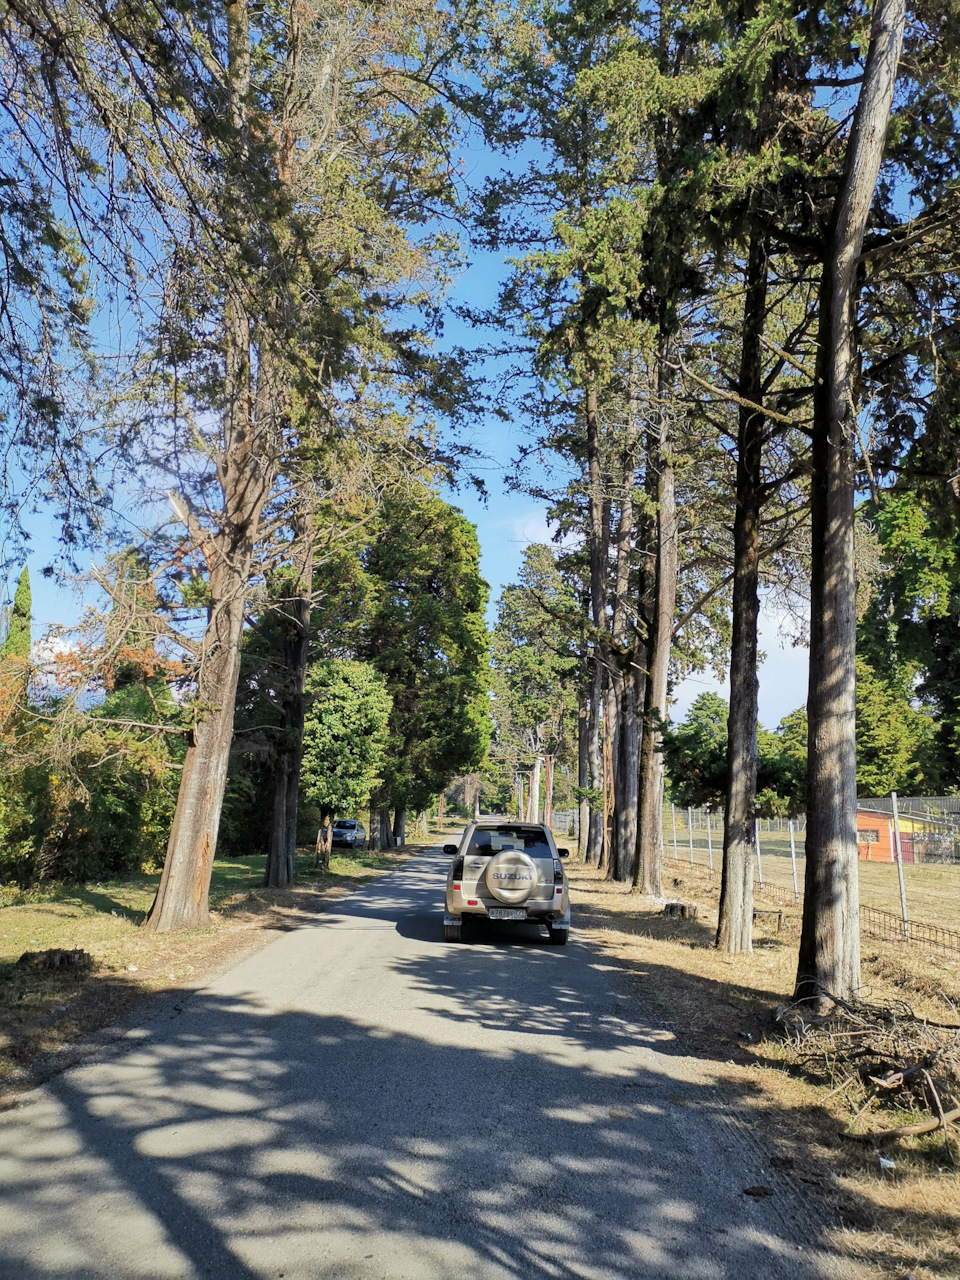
(907, 1130)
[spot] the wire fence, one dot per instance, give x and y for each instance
(891, 928)
(694, 837)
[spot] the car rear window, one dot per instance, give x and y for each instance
(487, 841)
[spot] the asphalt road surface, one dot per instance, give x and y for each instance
(360, 1099)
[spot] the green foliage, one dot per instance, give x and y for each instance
(427, 637)
(908, 637)
(695, 754)
(106, 809)
(696, 760)
(346, 735)
(534, 648)
(894, 736)
(16, 643)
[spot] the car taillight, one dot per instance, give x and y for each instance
(557, 872)
(458, 867)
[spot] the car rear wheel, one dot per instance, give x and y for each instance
(558, 936)
(453, 932)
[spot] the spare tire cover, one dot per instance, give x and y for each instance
(511, 876)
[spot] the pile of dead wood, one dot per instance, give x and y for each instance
(886, 1056)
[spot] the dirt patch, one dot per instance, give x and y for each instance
(901, 1221)
(50, 1016)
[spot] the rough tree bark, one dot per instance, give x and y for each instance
(247, 468)
(583, 750)
(647, 876)
(533, 799)
(324, 840)
(735, 927)
(400, 827)
(829, 960)
(386, 829)
(548, 791)
(294, 653)
(596, 536)
(594, 850)
(182, 897)
(373, 827)
(622, 663)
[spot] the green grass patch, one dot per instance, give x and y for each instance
(57, 915)
(40, 1011)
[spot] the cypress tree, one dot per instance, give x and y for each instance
(17, 641)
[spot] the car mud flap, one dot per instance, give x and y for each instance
(449, 919)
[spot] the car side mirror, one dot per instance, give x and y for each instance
(564, 853)
(450, 849)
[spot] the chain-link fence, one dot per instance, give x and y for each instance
(922, 915)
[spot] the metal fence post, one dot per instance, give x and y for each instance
(709, 843)
(756, 841)
(673, 819)
(690, 832)
(793, 859)
(896, 845)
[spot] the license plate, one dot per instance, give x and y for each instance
(506, 913)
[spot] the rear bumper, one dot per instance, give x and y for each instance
(555, 907)
(538, 913)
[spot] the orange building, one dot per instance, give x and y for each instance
(875, 836)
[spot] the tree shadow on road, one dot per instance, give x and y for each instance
(251, 1143)
(517, 1117)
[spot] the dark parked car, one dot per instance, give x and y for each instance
(349, 832)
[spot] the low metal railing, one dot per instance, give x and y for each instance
(891, 928)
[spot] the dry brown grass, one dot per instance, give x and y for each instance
(904, 1222)
(44, 1016)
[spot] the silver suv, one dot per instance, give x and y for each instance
(504, 870)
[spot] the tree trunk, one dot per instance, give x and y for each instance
(650, 821)
(611, 748)
(735, 927)
(294, 655)
(247, 467)
(548, 792)
(829, 960)
(386, 829)
(583, 754)
(476, 803)
(373, 830)
(324, 841)
(605, 851)
(620, 659)
(598, 592)
(400, 827)
(533, 799)
(627, 773)
(520, 809)
(182, 897)
(595, 753)
(441, 808)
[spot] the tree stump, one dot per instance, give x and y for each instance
(69, 961)
(685, 910)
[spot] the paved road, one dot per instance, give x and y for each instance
(359, 1099)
